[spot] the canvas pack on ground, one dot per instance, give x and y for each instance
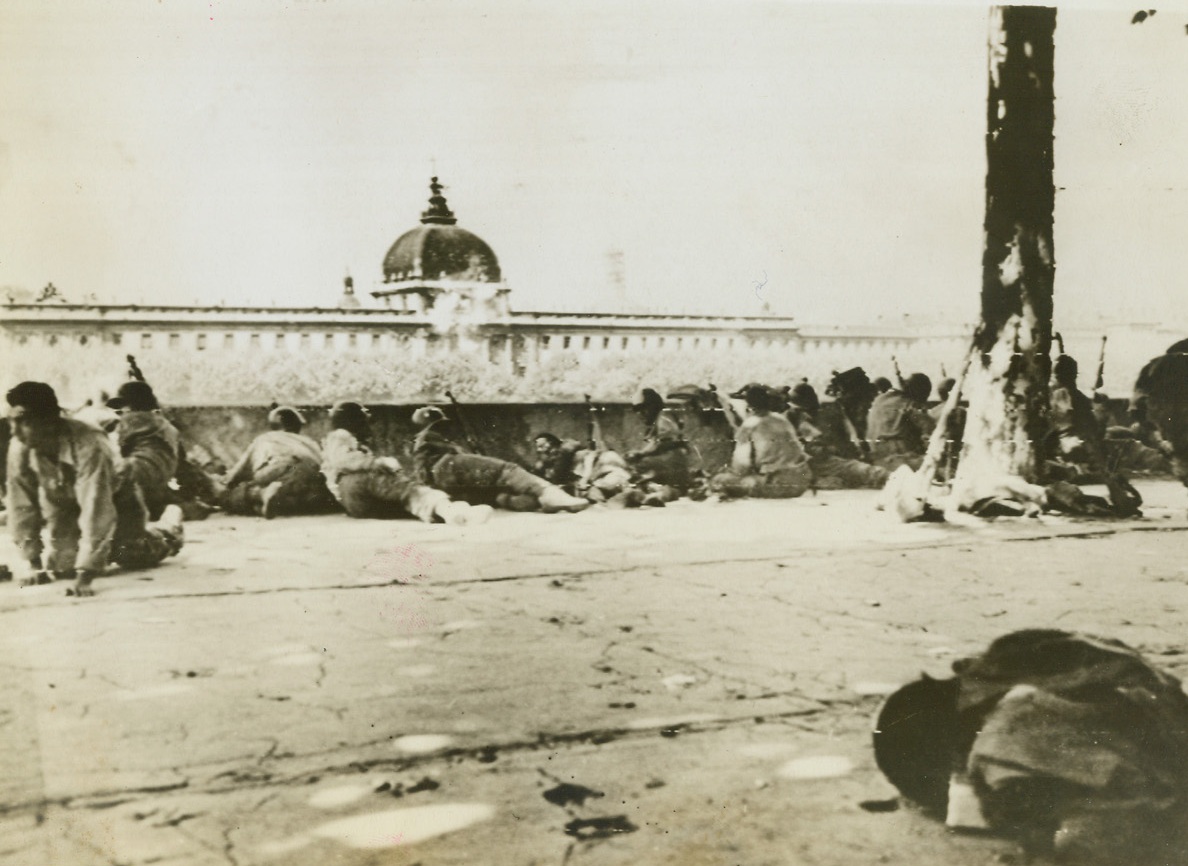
(1071, 744)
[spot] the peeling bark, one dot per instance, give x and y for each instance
(1007, 383)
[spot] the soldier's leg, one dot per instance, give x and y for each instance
(839, 473)
(136, 545)
(300, 490)
(732, 485)
(785, 484)
(241, 499)
(424, 503)
(890, 462)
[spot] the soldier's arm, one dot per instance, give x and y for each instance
(24, 510)
(94, 488)
(241, 471)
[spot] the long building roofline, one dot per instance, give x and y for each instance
(176, 308)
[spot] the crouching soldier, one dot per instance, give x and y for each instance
(377, 487)
(899, 426)
(1160, 402)
(476, 478)
(148, 444)
(663, 464)
(62, 480)
(279, 473)
(831, 467)
(769, 461)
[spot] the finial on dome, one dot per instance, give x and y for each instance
(439, 212)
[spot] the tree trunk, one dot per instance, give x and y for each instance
(1007, 383)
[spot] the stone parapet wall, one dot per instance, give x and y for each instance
(502, 430)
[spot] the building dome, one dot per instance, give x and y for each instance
(439, 250)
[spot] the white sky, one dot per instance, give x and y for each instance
(252, 152)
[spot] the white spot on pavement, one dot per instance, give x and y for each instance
(332, 798)
(404, 826)
(422, 744)
(678, 681)
(873, 688)
(819, 767)
(767, 750)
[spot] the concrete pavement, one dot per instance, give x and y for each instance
(685, 685)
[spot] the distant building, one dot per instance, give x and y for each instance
(443, 292)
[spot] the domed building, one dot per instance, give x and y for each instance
(439, 259)
(443, 293)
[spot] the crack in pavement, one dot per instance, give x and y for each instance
(248, 779)
(614, 570)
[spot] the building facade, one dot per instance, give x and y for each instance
(443, 318)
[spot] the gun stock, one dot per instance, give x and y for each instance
(1099, 380)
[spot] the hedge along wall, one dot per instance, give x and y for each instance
(502, 430)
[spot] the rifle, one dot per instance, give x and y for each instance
(1059, 342)
(467, 433)
(1099, 381)
(728, 410)
(898, 373)
(593, 427)
(134, 371)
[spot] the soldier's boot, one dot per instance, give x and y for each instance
(172, 526)
(463, 514)
(553, 499)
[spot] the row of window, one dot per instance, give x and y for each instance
(255, 341)
(306, 341)
(569, 342)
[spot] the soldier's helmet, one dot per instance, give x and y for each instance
(853, 382)
(286, 418)
(1065, 369)
(805, 396)
(426, 415)
(348, 414)
(757, 396)
(135, 395)
(647, 398)
(917, 387)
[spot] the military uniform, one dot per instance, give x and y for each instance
(149, 451)
(279, 473)
(374, 487)
(91, 514)
(831, 470)
(664, 458)
(473, 478)
(898, 428)
(768, 462)
(1161, 399)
